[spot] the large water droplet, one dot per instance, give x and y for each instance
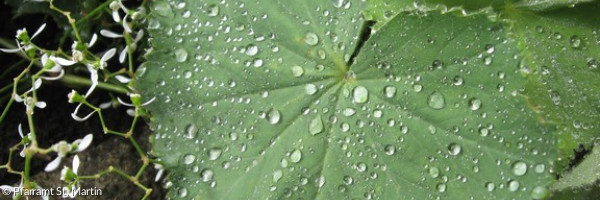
(310, 89)
(251, 50)
(181, 55)
(273, 116)
(441, 187)
(277, 175)
(474, 104)
(519, 168)
(213, 10)
(513, 185)
(297, 71)
(207, 175)
(214, 153)
(348, 112)
(296, 156)
(190, 131)
(434, 172)
(182, 192)
(316, 125)
(454, 149)
(436, 101)
(390, 149)
(360, 94)
(189, 159)
(390, 91)
(311, 39)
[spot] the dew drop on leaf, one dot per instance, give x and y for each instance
(434, 172)
(519, 168)
(207, 175)
(213, 10)
(310, 89)
(490, 186)
(436, 101)
(190, 131)
(474, 104)
(311, 39)
(189, 159)
(348, 112)
(296, 156)
(360, 94)
(390, 91)
(454, 149)
(273, 116)
(182, 192)
(513, 185)
(441, 187)
(575, 42)
(251, 50)
(361, 167)
(277, 175)
(181, 55)
(540, 192)
(316, 125)
(214, 153)
(390, 149)
(297, 71)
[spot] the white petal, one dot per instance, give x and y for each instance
(39, 188)
(139, 36)
(55, 68)
(53, 164)
(77, 118)
(39, 30)
(64, 62)
(110, 34)
(122, 6)
(40, 104)
(20, 129)
(85, 142)
(108, 55)
(93, 78)
(36, 85)
(53, 78)
(105, 105)
(115, 16)
(18, 98)
(63, 173)
(76, 163)
(122, 55)
(44, 59)
(123, 103)
(149, 101)
(22, 153)
(10, 50)
(126, 25)
(122, 79)
(93, 40)
(130, 112)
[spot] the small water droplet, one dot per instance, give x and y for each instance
(181, 55)
(454, 149)
(311, 39)
(316, 125)
(348, 112)
(441, 187)
(213, 10)
(434, 172)
(214, 153)
(277, 175)
(273, 116)
(436, 101)
(348, 180)
(296, 156)
(182, 192)
(389, 149)
(489, 48)
(418, 88)
(190, 131)
(519, 168)
(297, 71)
(484, 131)
(474, 104)
(487, 60)
(490, 186)
(310, 89)
(540, 168)
(189, 159)
(207, 175)
(540, 192)
(361, 167)
(251, 50)
(390, 91)
(360, 94)
(458, 80)
(513, 185)
(575, 42)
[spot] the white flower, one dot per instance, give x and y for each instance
(27, 101)
(134, 98)
(57, 65)
(62, 148)
(22, 33)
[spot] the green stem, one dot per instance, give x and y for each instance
(76, 80)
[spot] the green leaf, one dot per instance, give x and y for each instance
(560, 51)
(540, 5)
(265, 100)
(584, 174)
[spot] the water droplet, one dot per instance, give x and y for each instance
(361, 167)
(296, 156)
(316, 125)
(213, 10)
(348, 180)
(458, 80)
(277, 175)
(297, 71)
(519, 168)
(390, 91)
(513, 185)
(592, 63)
(189, 159)
(418, 88)
(483, 131)
(490, 186)
(311, 39)
(258, 62)
(251, 50)
(434, 172)
(273, 116)
(540, 168)
(454, 149)
(377, 113)
(190, 131)
(187, 74)
(575, 42)
(360, 94)
(320, 181)
(441, 187)
(310, 89)
(436, 101)
(474, 104)
(182, 192)
(348, 112)
(540, 192)
(389, 149)
(207, 175)
(181, 55)
(214, 153)
(487, 60)
(163, 8)
(489, 48)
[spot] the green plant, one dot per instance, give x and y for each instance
(371, 99)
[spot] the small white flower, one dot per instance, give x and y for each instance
(114, 6)
(20, 33)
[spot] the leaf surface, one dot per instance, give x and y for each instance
(273, 100)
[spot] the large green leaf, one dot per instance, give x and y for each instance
(561, 50)
(261, 100)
